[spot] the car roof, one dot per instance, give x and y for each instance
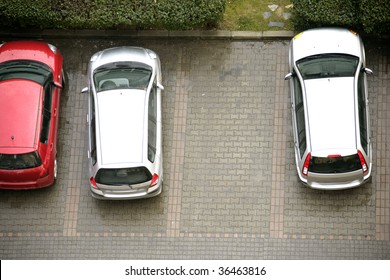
(121, 118)
(20, 106)
(326, 40)
(124, 53)
(28, 50)
(331, 114)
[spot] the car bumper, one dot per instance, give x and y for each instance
(336, 185)
(126, 195)
(28, 185)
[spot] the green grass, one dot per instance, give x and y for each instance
(247, 15)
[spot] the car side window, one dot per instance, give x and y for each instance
(362, 111)
(300, 115)
(93, 129)
(298, 91)
(46, 113)
(152, 124)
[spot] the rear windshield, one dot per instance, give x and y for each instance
(327, 66)
(20, 161)
(123, 176)
(335, 164)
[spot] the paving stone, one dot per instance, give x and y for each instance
(267, 15)
(273, 7)
(276, 24)
(286, 15)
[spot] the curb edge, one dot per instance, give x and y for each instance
(106, 34)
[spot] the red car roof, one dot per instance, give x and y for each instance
(20, 107)
(28, 50)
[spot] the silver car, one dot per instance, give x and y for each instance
(124, 123)
(330, 114)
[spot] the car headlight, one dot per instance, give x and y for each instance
(53, 48)
(151, 54)
(298, 35)
(95, 56)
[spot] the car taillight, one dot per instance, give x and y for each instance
(93, 183)
(363, 162)
(154, 180)
(305, 168)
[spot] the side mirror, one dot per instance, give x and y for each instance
(84, 90)
(288, 76)
(57, 84)
(160, 86)
(368, 71)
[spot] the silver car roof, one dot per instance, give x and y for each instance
(122, 126)
(331, 115)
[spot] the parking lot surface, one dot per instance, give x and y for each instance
(230, 185)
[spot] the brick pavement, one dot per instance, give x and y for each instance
(230, 184)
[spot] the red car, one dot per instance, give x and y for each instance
(31, 80)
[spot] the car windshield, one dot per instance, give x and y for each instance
(327, 66)
(122, 75)
(335, 164)
(123, 176)
(24, 69)
(20, 161)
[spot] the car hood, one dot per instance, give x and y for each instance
(20, 104)
(326, 40)
(331, 113)
(29, 50)
(120, 54)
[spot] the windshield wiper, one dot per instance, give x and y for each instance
(313, 75)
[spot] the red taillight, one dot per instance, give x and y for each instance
(93, 182)
(154, 180)
(363, 162)
(305, 168)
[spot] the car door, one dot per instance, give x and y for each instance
(298, 116)
(56, 95)
(363, 112)
(49, 127)
(92, 129)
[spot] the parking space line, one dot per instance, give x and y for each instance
(382, 177)
(76, 138)
(72, 200)
(71, 211)
(279, 149)
(177, 161)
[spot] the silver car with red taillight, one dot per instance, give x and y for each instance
(330, 114)
(124, 124)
